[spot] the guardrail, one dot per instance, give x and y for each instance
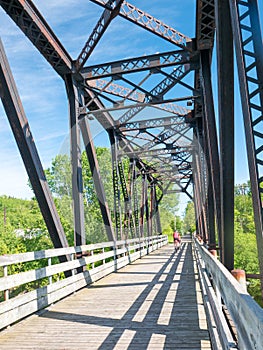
(221, 290)
(85, 265)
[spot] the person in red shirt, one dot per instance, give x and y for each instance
(177, 240)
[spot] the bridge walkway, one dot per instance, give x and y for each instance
(153, 303)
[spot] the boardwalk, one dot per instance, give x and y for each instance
(154, 303)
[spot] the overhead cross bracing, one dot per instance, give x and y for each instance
(157, 103)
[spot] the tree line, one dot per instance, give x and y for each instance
(23, 228)
(245, 246)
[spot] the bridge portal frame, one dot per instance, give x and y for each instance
(218, 177)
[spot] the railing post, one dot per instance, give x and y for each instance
(92, 254)
(128, 248)
(49, 262)
(147, 244)
(103, 251)
(115, 254)
(6, 292)
(240, 276)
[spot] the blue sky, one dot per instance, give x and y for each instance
(43, 93)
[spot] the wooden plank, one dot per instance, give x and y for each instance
(7, 259)
(12, 281)
(152, 303)
(22, 306)
(245, 312)
(221, 337)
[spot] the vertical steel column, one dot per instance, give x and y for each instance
(151, 210)
(226, 126)
(157, 212)
(211, 214)
(201, 174)
(211, 134)
(25, 142)
(135, 199)
(132, 219)
(210, 208)
(128, 227)
(196, 191)
(158, 219)
(74, 99)
(142, 206)
(195, 184)
(115, 179)
(249, 53)
(147, 216)
(95, 170)
(196, 208)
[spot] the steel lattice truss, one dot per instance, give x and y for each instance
(158, 111)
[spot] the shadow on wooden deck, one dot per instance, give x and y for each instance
(165, 314)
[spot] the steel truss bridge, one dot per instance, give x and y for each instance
(159, 115)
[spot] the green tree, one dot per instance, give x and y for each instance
(168, 207)
(244, 216)
(189, 218)
(59, 179)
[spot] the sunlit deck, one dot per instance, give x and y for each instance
(153, 303)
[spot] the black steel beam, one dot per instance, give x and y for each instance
(25, 14)
(247, 31)
(134, 196)
(128, 218)
(178, 151)
(155, 94)
(151, 24)
(200, 173)
(116, 185)
(147, 211)
(210, 198)
(105, 119)
(158, 92)
(196, 199)
(111, 11)
(142, 206)
(153, 123)
(136, 64)
(225, 70)
(75, 102)
(97, 180)
(211, 136)
(205, 24)
(25, 142)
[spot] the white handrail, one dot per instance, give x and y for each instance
(246, 314)
(94, 260)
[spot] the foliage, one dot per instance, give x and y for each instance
(23, 228)
(189, 218)
(59, 179)
(179, 224)
(167, 209)
(245, 247)
(246, 258)
(244, 216)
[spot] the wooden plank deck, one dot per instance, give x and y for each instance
(154, 303)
